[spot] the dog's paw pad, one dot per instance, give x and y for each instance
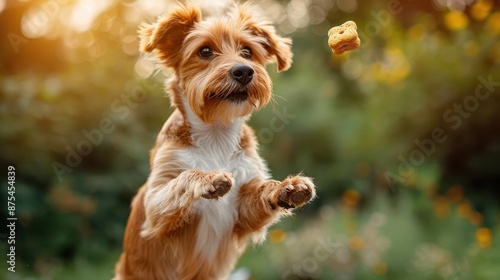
(299, 197)
(295, 192)
(221, 183)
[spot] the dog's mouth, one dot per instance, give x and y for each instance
(239, 95)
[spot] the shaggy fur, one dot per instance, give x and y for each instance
(208, 192)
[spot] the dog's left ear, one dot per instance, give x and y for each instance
(167, 34)
(277, 47)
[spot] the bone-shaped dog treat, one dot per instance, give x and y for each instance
(343, 38)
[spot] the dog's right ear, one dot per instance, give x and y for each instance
(167, 34)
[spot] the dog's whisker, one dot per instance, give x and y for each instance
(273, 102)
(275, 95)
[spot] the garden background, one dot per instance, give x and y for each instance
(402, 137)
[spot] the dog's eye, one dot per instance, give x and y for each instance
(246, 53)
(206, 52)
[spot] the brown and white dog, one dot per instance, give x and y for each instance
(208, 192)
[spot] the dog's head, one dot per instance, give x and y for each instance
(218, 62)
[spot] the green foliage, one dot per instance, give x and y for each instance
(388, 240)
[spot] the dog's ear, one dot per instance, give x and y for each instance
(277, 47)
(167, 34)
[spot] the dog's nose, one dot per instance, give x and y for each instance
(242, 73)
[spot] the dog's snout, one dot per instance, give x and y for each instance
(242, 73)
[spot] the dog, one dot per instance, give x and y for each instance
(208, 193)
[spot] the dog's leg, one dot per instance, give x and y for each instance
(261, 203)
(167, 208)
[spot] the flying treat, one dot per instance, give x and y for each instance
(343, 38)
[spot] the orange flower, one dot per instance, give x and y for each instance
(351, 197)
(481, 9)
(494, 22)
(356, 243)
(416, 32)
(476, 219)
(484, 238)
(456, 20)
(441, 208)
(455, 193)
(464, 210)
(277, 236)
(380, 268)
(494, 53)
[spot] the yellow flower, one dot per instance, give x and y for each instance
(277, 236)
(481, 9)
(494, 22)
(393, 68)
(456, 20)
(484, 238)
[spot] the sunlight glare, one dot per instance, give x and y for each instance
(35, 23)
(297, 13)
(84, 12)
(144, 67)
(3, 3)
(153, 7)
(347, 6)
(458, 5)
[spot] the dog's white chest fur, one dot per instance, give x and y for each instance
(217, 148)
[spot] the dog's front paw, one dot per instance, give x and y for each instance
(219, 184)
(295, 192)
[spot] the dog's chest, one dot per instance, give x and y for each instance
(218, 215)
(236, 163)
